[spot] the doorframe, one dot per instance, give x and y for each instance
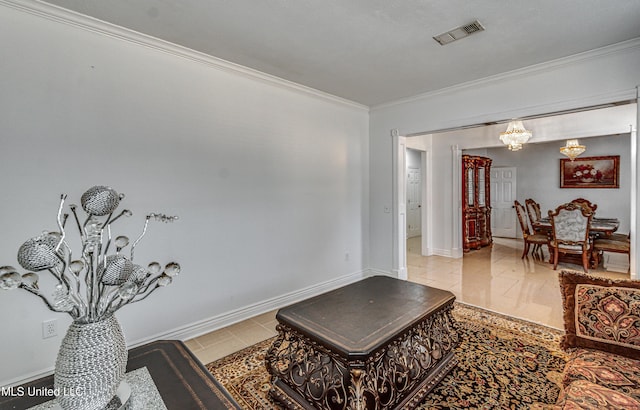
(425, 213)
(399, 205)
(634, 229)
(398, 164)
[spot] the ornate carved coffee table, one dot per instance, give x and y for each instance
(380, 343)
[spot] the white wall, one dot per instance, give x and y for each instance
(606, 75)
(270, 181)
(538, 175)
(413, 158)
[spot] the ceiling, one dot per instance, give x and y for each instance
(375, 51)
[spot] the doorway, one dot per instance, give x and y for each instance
(448, 226)
(414, 194)
(503, 193)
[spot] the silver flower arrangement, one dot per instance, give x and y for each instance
(97, 283)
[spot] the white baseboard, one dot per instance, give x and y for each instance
(447, 253)
(401, 274)
(201, 327)
(616, 262)
(229, 318)
(27, 378)
(378, 272)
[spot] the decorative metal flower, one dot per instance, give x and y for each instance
(97, 283)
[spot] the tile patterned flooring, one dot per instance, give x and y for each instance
(494, 277)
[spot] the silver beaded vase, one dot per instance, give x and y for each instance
(90, 287)
(91, 364)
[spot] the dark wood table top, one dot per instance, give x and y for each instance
(182, 381)
(357, 319)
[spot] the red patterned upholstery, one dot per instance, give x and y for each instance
(585, 395)
(601, 314)
(602, 324)
(607, 370)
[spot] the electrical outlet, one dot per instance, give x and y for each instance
(49, 328)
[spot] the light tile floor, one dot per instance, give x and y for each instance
(494, 277)
(222, 342)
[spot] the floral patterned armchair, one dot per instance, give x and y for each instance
(602, 334)
(570, 226)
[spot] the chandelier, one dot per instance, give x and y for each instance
(572, 149)
(515, 136)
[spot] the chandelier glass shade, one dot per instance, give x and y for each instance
(515, 136)
(572, 149)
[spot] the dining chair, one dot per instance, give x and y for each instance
(617, 243)
(537, 239)
(587, 203)
(533, 210)
(570, 232)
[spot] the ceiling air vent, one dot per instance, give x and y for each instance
(458, 33)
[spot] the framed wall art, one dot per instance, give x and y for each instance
(590, 172)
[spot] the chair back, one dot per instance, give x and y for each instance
(533, 209)
(570, 224)
(522, 218)
(585, 202)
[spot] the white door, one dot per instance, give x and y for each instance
(503, 193)
(414, 202)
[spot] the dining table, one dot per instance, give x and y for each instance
(598, 228)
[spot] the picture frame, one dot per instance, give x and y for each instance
(590, 172)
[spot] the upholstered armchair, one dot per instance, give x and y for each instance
(533, 210)
(585, 202)
(617, 243)
(570, 232)
(537, 239)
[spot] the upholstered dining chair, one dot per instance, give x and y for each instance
(585, 202)
(533, 210)
(617, 243)
(537, 239)
(570, 232)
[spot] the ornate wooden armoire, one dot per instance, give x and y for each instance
(476, 202)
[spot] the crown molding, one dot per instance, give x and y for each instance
(625, 46)
(61, 15)
(64, 16)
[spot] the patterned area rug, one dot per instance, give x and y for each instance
(504, 363)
